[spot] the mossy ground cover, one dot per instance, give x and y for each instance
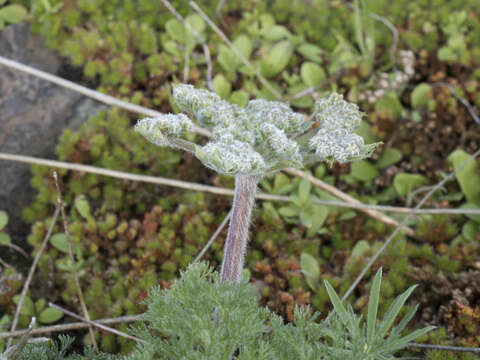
(130, 236)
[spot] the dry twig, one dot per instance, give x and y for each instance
(71, 326)
(106, 99)
(341, 195)
(94, 323)
(218, 190)
(205, 48)
(235, 50)
(13, 352)
(72, 258)
(32, 271)
(214, 236)
(397, 229)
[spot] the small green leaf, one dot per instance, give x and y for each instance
(364, 171)
(310, 269)
(470, 230)
(312, 74)
(282, 184)
(468, 177)
(347, 215)
(319, 215)
(40, 305)
(172, 48)
(3, 219)
(83, 207)
(176, 30)
(59, 242)
(446, 54)
(304, 190)
(221, 86)
(389, 157)
(13, 13)
(337, 304)
(405, 183)
(244, 45)
(310, 52)
(276, 58)
(228, 60)
(390, 104)
(420, 96)
(275, 33)
(360, 248)
(473, 217)
(28, 308)
(373, 306)
(393, 311)
(288, 211)
(50, 315)
(196, 22)
(5, 239)
(320, 171)
(309, 266)
(239, 97)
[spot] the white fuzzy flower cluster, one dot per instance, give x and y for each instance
(335, 139)
(278, 114)
(231, 156)
(265, 136)
(163, 129)
(281, 147)
(333, 113)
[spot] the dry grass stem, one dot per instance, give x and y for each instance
(71, 326)
(72, 258)
(94, 323)
(221, 191)
(235, 50)
(26, 285)
(106, 99)
(347, 198)
(206, 50)
(214, 236)
(398, 228)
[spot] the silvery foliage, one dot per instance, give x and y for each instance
(263, 137)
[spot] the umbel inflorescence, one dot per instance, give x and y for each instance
(261, 138)
(248, 143)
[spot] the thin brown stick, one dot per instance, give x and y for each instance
(32, 271)
(72, 258)
(19, 249)
(5, 264)
(106, 99)
(464, 101)
(93, 323)
(397, 229)
(214, 236)
(205, 48)
(247, 63)
(70, 326)
(218, 190)
(13, 352)
(345, 197)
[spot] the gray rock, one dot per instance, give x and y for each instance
(33, 114)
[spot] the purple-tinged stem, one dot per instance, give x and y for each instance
(236, 244)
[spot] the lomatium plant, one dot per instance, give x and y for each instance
(206, 315)
(252, 142)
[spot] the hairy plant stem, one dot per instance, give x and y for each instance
(236, 244)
